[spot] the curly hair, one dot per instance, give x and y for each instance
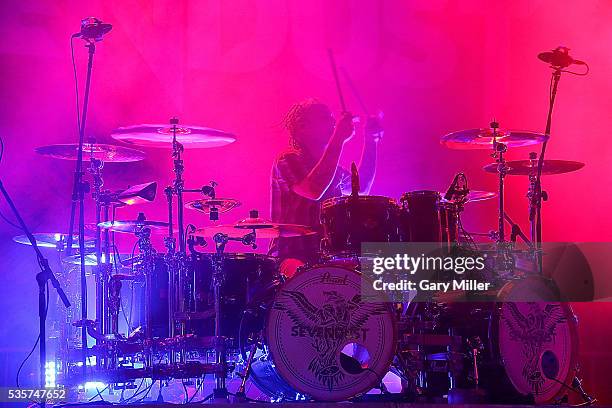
(296, 117)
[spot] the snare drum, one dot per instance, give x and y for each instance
(351, 220)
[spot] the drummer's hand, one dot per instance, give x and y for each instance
(345, 128)
(373, 127)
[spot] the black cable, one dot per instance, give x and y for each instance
(99, 394)
(197, 389)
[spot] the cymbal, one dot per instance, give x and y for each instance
(477, 195)
(264, 229)
(54, 240)
(483, 138)
(130, 226)
(527, 167)
(90, 259)
(221, 204)
(104, 152)
(157, 135)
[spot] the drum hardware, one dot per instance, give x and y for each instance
(220, 391)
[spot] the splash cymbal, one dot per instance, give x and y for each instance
(103, 152)
(160, 136)
(528, 167)
(483, 138)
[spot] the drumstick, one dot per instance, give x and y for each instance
(355, 92)
(335, 72)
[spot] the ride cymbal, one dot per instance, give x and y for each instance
(160, 136)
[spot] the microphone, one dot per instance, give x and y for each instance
(559, 57)
(452, 189)
(93, 29)
(354, 180)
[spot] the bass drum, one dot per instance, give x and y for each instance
(536, 340)
(523, 343)
(322, 339)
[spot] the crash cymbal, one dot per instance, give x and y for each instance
(130, 226)
(483, 138)
(90, 259)
(191, 137)
(104, 152)
(527, 167)
(221, 204)
(54, 240)
(264, 229)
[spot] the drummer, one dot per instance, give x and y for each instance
(309, 172)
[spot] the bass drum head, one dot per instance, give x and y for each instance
(326, 341)
(536, 340)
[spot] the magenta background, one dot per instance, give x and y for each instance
(431, 66)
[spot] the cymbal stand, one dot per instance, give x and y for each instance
(221, 240)
(499, 149)
(174, 259)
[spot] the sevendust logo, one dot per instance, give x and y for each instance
(335, 333)
(328, 327)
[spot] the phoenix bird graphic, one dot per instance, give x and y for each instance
(329, 326)
(532, 330)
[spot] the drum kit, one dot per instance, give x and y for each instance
(311, 336)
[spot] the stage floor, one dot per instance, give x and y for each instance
(334, 405)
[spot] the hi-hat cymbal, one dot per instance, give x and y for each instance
(54, 240)
(104, 152)
(191, 137)
(131, 226)
(264, 229)
(483, 138)
(221, 204)
(527, 167)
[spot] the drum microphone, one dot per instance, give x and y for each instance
(354, 180)
(455, 189)
(559, 57)
(93, 29)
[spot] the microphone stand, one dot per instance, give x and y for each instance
(45, 275)
(79, 189)
(536, 201)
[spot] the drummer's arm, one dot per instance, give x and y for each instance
(367, 167)
(317, 181)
